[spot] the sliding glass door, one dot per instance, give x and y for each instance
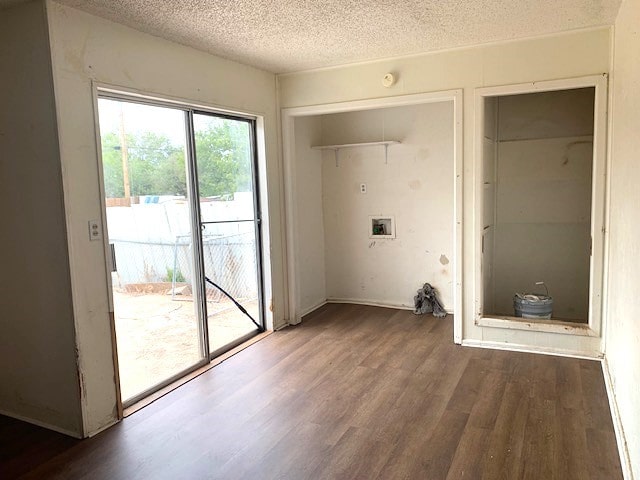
(184, 237)
(229, 227)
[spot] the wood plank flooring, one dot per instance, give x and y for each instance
(354, 392)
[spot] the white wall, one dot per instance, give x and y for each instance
(38, 377)
(310, 231)
(554, 57)
(415, 186)
(623, 313)
(86, 48)
(543, 216)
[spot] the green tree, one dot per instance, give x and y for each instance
(156, 167)
(223, 155)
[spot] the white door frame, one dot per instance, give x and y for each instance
(263, 241)
(288, 142)
(598, 205)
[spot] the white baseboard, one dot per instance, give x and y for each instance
(39, 423)
(352, 301)
(529, 349)
(376, 303)
(623, 450)
(369, 303)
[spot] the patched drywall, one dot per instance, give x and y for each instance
(415, 186)
(562, 56)
(38, 377)
(543, 200)
(310, 243)
(623, 309)
(88, 49)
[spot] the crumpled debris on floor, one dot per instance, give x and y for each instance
(426, 301)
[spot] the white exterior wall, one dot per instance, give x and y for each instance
(84, 49)
(555, 57)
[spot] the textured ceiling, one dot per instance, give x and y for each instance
(290, 35)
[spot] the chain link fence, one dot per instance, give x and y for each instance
(154, 253)
(229, 261)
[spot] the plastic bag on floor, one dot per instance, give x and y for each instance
(426, 301)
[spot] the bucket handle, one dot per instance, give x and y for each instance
(545, 287)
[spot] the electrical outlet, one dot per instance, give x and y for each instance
(363, 188)
(95, 230)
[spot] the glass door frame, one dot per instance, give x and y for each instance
(257, 220)
(104, 92)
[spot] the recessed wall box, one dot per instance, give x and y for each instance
(382, 226)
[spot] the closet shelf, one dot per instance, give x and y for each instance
(350, 145)
(336, 148)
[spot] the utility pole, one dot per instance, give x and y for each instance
(125, 158)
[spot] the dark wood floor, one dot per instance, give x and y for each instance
(355, 393)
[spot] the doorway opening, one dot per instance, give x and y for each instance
(184, 235)
(541, 197)
(359, 179)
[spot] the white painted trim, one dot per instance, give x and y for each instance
(375, 103)
(38, 423)
(313, 308)
(598, 197)
(596, 81)
(288, 136)
(262, 180)
(458, 220)
(512, 347)
(543, 325)
(291, 210)
(477, 222)
(171, 101)
(607, 219)
(623, 449)
(280, 321)
(108, 267)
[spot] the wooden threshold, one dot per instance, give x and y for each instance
(543, 325)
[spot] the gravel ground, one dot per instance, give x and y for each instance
(157, 336)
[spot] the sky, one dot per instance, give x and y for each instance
(142, 118)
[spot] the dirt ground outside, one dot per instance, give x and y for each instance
(157, 334)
